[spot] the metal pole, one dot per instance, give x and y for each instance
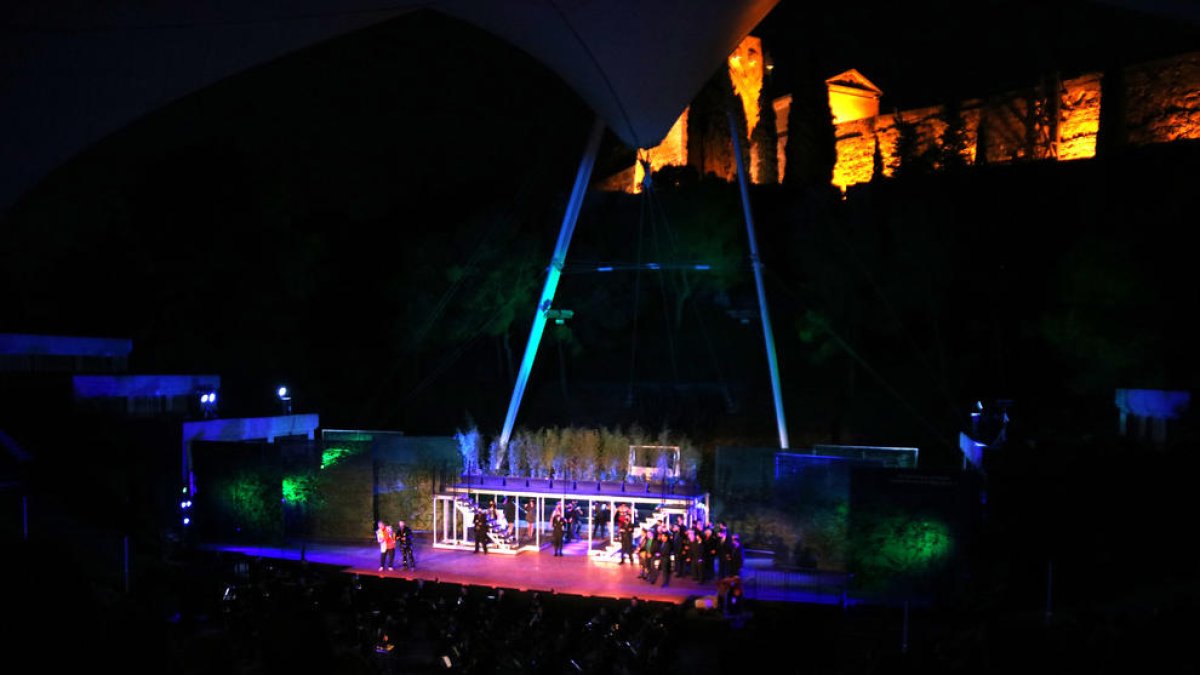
(126, 543)
(552, 274)
(1049, 591)
(756, 263)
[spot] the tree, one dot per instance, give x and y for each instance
(763, 145)
(909, 159)
(710, 148)
(811, 151)
(954, 148)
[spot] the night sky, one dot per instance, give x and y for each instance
(366, 221)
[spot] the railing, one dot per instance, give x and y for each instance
(498, 535)
(824, 586)
(484, 483)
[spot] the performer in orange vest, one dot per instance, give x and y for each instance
(387, 545)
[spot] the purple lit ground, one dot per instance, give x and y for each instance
(572, 574)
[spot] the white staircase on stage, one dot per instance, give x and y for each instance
(502, 538)
(611, 554)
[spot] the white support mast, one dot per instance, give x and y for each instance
(552, 274)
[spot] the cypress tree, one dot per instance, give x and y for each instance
(811, 150)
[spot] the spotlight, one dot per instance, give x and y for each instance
(208, 404)
(285, 400)
(187, 521)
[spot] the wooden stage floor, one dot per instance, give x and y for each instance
(572, 574)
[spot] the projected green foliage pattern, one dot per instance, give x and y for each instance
(300, 489)
(331, 457)
(253, 501)
(904, 546)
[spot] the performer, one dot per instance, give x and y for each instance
(735, 556)
(662, 556)
(558, 524)
(627, 540)
(707, 554)
(724, 554)
(530, 510)
(622, 514)
(404, 539)
(644, 554)
(509, 509)
(481, 528)
(569, 518)
(601, 517)
(387, 545)
(686, 556)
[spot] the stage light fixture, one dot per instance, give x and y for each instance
(285, 399)
(187, 521)
(208, 404)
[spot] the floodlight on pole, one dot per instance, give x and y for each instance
(208, 404)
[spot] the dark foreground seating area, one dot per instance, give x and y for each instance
(222, 612)
(270, 616)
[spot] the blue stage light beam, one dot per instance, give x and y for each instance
(552, 275)
(756, 263)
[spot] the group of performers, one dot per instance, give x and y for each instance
(702, 551)
(665, 548)
(389, 538)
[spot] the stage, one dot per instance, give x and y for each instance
(572, 574)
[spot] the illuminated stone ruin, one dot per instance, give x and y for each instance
(1054, 119)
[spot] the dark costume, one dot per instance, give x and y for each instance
(601, 525)
(662, 559)
(558, 526)
(627, 541)
(737, 557)
(646, 553)
(481, 531)
(685, 555)
(510, 514)
(709, 550)
(569, 516)
(404, 541)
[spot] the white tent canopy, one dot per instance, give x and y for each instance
(72, 73)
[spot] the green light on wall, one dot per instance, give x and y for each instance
(332, 456)
(903, 545)
(298, 489)
(251, 501)
(917, 544)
